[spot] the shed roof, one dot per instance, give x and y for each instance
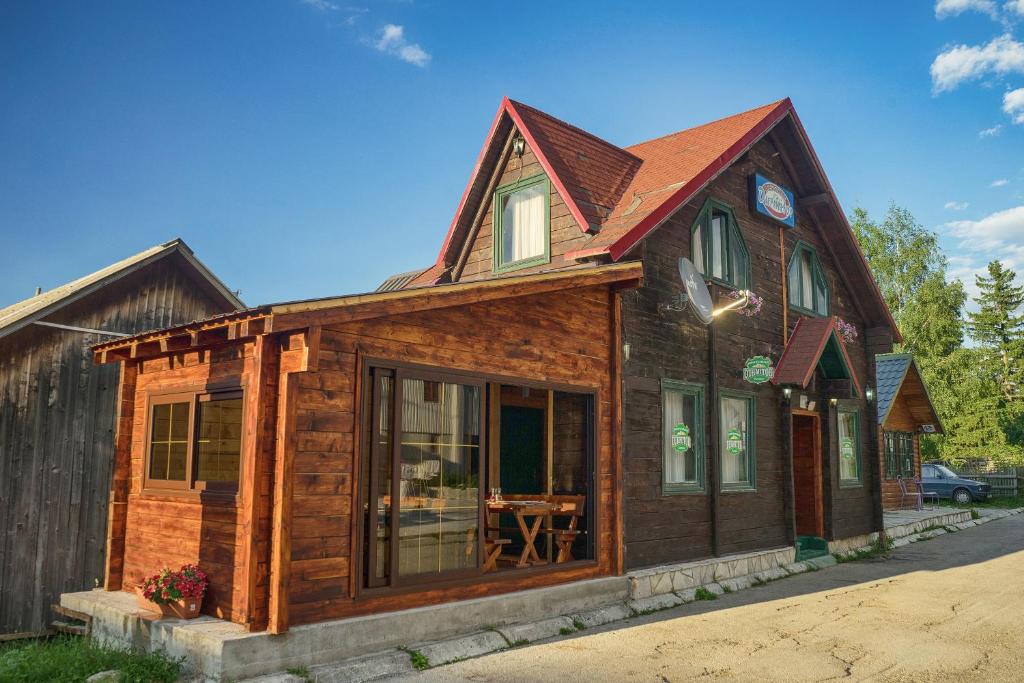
(399, 280)
(18, 315)
(815, 342)
(893, 372)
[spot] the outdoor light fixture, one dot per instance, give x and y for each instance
(787, 392)
(869, 394)
(625, 351)
(519, 146)
(834, 401)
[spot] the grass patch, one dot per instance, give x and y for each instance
(703, 593)
(975, 514)
(64, 659)
(1001, 503)
(566, 631)
(300, 671)
(578, 623)
(520, 642)
(418, 659)
(879, 548)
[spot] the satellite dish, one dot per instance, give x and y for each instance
(697, 293)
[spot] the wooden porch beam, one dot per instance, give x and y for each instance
(117, 511)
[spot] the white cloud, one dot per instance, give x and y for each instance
(956, 206)
(1013, 104)
(951, 8)
(1015, 7)
(999, 183)
(392, 41)
(991, 132)
(999, 230)
(322, 5)
(961, 63)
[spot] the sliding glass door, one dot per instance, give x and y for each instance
(424, 496)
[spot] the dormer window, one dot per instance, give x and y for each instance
(718, 249)
(808, 289)
(521, 214)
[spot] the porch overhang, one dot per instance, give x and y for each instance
(899, 379)
(815, 344)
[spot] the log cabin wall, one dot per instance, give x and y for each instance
(670, 528)
(560, 338)
(900, 419)
(57, 418)
(168, 529)
(566, 234)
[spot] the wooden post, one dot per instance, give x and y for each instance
(117, 512)
(618, 533)
(714, 474)
(253, 457)
(788, 485)
(785, 286)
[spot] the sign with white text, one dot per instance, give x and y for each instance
(773, 200)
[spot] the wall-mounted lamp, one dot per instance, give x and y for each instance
(787, 392)
(834, 401)
(869, 394)
(625, 351)
(519, 146)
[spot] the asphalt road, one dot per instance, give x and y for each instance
(950, 608)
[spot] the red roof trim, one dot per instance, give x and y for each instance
(618, 248)
(546, 165)
(828, 333)
(508, 107)
(835, 200)
(785, 351)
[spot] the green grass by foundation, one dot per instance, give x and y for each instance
(69, 659)
(996, 503)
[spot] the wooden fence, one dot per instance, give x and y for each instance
(1005, 481)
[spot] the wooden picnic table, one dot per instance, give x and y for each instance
(521, 509)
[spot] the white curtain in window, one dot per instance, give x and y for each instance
(806, 282)
(680, 466)
(523, 224)
(717, 245)
(734, 418)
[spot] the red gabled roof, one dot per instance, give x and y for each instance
(624, 194)
(804, 350)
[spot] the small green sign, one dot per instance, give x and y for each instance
(846, 448)
(734, 441)
(681, 440)
(758, 370)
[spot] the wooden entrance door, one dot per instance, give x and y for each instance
(807, 476)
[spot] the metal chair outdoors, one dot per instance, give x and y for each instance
(925, 495)
(905, 492)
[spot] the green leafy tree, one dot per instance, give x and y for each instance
(998, 326)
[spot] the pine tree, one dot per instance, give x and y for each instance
(998, 326)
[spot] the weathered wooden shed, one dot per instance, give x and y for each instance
(329, 458)
(57, 417)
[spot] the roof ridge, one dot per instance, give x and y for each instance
(587, 133)
(771, 105)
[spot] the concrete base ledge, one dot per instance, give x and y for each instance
(671, 578)
(220, 649)
(940, 518)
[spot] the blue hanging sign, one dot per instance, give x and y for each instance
(773, 200)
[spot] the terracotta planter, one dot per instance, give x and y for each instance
(186, 608)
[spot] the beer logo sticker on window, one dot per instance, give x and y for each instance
(681, 440)
(846, 448)
(734, 441)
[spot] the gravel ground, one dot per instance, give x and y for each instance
(950, 608)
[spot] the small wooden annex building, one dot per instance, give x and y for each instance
(57, 417)
(327, 458)
(905, 412)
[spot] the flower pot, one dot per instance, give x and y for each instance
(186, 608)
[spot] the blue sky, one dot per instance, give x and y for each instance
(312, 147)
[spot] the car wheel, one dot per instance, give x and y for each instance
(962, 497)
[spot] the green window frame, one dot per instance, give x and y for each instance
(717, 246)
(818, 295)
(747, 481)
(848, 428)
(674, 461)
(899, 454)
(504, 262)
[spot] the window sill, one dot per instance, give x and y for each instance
(850, 484)
(806, 311)
(739, 488)
(681, 490)
(520, 265)
(225, 498)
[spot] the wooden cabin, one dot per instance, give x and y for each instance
(746, 199)
(336, 457)
(57, 417)
(905, 412)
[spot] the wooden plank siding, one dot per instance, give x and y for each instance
(566, 235)
(57, 425)
(551, 338)
(670, 528)
(900, 419)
